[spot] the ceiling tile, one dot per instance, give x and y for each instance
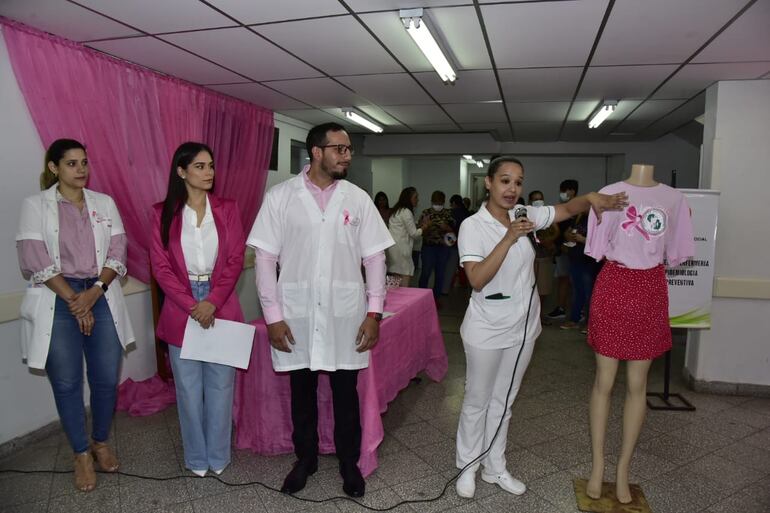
(476, 112)
(539, 84)
(635, 30)
(460, 29)
(350, 51)
(618, 82)
(320, 92)
(379, 115)
(259, 95)
(681, 115)
(255, 57)
(390, 89)
(155, 16)
(470, 86)
(648, 112)
(536, 131)
(538, 111)
(258, 12)
(418, 114)
(747, 39)
(693, 78)
(63, 19)
(388, 28)
(581, 110)
(578, 131)
(543, 34)
(160, 56)
(382, 5)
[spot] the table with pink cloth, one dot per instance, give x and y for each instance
(410, 342)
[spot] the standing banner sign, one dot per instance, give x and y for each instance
(690, 285)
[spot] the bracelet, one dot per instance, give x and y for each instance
(374, 315)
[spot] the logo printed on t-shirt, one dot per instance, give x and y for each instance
(651, 222)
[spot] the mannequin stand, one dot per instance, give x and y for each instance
(665, 396)
(608, 503)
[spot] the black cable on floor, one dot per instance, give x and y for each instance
(339, 497)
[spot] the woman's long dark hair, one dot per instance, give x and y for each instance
(405, 200)
(176, 196)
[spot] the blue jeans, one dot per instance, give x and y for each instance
(583, 275)
(64, 367)
(434, 259)
(204, 396)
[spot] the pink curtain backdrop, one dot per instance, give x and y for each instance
(131, 120)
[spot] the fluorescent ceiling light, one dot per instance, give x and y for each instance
(603, 112)
(468, 157)
(415, 26)
(357, 118)
(479, 163)
(485, 161)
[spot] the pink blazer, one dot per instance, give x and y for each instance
(170, 271)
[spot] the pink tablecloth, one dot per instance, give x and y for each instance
(410, 342)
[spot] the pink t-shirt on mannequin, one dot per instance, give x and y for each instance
(655, 227)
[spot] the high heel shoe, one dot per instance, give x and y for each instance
(85, 477)
(104, 456)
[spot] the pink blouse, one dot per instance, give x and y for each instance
(76, 247)
(655, 228)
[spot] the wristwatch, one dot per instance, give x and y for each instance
(101, 285)
(377, 316)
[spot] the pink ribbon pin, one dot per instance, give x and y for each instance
(346, 215)
(634, 221)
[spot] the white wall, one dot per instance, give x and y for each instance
(428, 174)
(667, 153)
(388, 176)
(735, 161)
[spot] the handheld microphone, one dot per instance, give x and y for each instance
(519, 212)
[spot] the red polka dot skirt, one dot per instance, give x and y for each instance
(629, 313)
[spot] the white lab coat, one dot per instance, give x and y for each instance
(404, 232)
(499, 323)
(39, 220)
(320, 285)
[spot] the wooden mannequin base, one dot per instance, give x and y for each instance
(608, 503)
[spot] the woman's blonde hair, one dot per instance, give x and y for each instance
(54, 154)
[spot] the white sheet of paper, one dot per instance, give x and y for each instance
(226, 342)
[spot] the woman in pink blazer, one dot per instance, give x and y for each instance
(197, 256)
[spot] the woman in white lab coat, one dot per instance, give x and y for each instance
(503, 317)
(404, 232)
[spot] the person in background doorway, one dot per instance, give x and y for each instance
(383, 206)
(567, 190)
(544, 252)
(404, 232)
(459, 214)
(435, 251)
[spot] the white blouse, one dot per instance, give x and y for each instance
(199, 243)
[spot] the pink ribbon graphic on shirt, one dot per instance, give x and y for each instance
(346, 214)
(634, 221)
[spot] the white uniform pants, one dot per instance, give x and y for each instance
(487, 378)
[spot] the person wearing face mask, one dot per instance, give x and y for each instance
(435, 251)
(567, 190)
(544, 253)
(503, 317)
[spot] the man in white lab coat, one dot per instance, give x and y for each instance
(319, 229)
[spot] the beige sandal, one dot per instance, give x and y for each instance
(104, 456)
(85, 477)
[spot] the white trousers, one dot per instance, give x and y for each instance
(487, 378)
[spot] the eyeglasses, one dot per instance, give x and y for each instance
(341, 148)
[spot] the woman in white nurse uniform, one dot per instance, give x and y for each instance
(498, 259)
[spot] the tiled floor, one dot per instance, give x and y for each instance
(715, 460)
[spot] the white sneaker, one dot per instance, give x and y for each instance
(199, 473)
(505, 481)
(466, 484)
(219, 471)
